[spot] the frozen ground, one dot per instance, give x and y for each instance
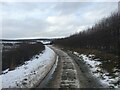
(31, 73)
(65, 75)
(103, 75)
(72, 73)
(44, 42)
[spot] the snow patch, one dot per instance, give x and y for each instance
(0, 82)
(44, 41)
(103, 75)
(31, 73)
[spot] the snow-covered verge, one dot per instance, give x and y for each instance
(97, 71)
(31, 73)
(0, 83)
(45, 42)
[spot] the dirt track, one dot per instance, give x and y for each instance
(71, 72)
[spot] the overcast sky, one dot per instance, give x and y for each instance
(51, 19)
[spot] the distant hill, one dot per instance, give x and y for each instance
(44, 41)
(25, 40)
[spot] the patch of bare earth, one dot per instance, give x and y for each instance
(65, 75)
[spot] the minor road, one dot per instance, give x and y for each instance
(71, 72)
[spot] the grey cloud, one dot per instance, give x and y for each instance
(17, 28)
(30, 19)
(68, 7)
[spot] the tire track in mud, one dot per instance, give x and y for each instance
(71, 72)
(65, 75)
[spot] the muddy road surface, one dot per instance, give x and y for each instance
(70, 72)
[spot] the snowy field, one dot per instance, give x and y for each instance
(103, 75)
(31, 73)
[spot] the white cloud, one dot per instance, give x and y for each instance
(61, 19)
(81, 28)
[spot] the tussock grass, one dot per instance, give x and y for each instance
(109, 60)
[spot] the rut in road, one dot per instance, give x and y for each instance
(66, 74)
(71, 72)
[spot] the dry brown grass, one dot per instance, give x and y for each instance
(109, 60)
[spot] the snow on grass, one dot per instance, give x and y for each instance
(0, 82)
(99, 72)
(31, 73)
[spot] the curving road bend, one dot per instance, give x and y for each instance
(70, 73)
